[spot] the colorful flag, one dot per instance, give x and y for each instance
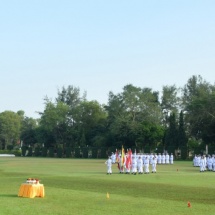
(117, 156)
(129, 159)
(122, 157)
(117, 159)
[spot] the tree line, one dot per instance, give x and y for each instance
(179, 120)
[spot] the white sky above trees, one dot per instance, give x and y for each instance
(101, 46)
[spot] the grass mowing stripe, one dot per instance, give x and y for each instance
(75, 186)
(139, 189)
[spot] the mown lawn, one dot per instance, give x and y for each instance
(74, 186)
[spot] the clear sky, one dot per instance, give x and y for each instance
(100, 46)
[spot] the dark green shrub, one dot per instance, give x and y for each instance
(59, 152)
(85, 152)
(77, 153)
(94, 152)
(103, 153)
(51, 152)
(44, 152)
(24, 149)
(147, 149)
(171, 149)
(184, 153)
(37, 152)
(68, 152)
(30, 152)
(9, 147)
(16, 152)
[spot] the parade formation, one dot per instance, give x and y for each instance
(137, 163)
(204, 162)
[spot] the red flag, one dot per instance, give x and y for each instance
(117, 156)
(122, 157)
(129, 159)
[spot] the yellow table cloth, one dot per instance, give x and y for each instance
(31, 190)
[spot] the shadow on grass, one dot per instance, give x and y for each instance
(8, 195)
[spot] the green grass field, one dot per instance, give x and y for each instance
(74, 186)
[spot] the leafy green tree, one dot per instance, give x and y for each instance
(202, 120)
(126, 112)
(149, 136)
(10, 125)
(170, 100)
(28, 131)
(196, 87)
(198, 101)
(70, 96)
(182, 137)
(90, 120)
(55, 123)
(171, 135)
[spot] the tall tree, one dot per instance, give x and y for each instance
(182, 137)
(171, 136)
(28, 131)
(170, 102)
(55, 121)
(127, 110)
(202, 118)
(10, 125)
(198, 102)
(70, 96)
(89, 119)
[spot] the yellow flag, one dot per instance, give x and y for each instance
(108, 196)
(122, 156)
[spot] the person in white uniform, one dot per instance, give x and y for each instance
(205, 163)
(198, 160)
(113, 158)
(159, 158)
(171, 158)
(209, 163)
(140, 165)
(146, 165)
(154, 162)
(167, 158)
(109, 166)
(150, 158)
(213, 163)
(121, 165)
(134, 165)
(163, 158)
(202, 164)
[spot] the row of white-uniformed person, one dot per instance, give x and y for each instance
(160, 158)
(204, 162)
(139, 164)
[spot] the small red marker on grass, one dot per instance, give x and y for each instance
(189, 205)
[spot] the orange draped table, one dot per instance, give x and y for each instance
(31, 190)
